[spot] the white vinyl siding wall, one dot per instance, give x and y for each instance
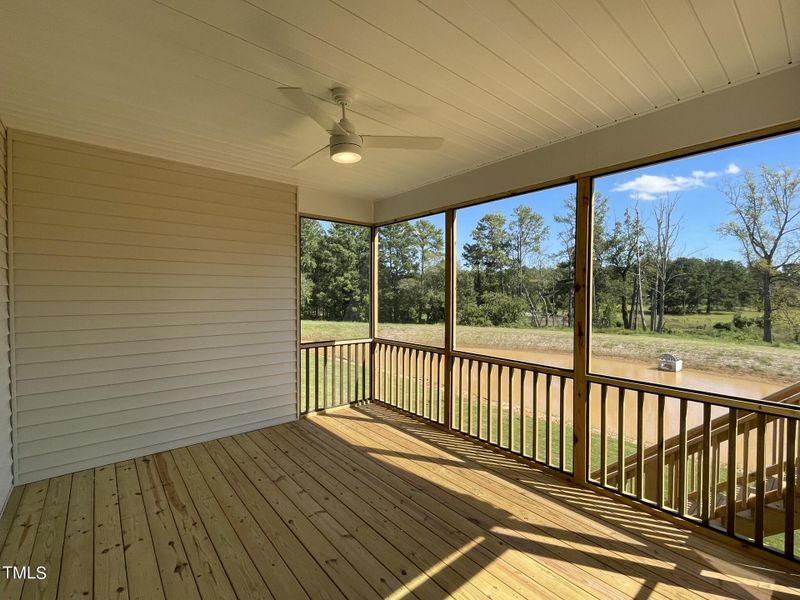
(6, 478)
(154, 304)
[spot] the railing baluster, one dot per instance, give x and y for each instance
(511, 409)
(562, 442)
(469, 396)
(621, 440)
(480, 400)
(779, 427)
(603, 434)
(523, 375)
(401, 378)
(730, 514)
(705, 485)
(429, 365)
(660, 453)
(548, 434)
(414, 375)
(535, 419)
(340, 364)
(788, 495)
(439, 415)
(500, 405)
(459, 414)
(308, 379)
(746, 466)
(761, 420)
(349, 372)
(682, 459)
(489, 403)
(523, 442)
(640, 445)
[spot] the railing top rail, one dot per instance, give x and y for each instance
(515, 364)
(329, 343)
(411, 345)
(778, 409)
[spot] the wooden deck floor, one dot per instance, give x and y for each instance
(360, 503)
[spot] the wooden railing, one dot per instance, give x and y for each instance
(520, 407)
(523, 408)
(411, 377)
(334, 374)
(730, 464)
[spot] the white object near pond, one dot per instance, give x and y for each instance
(669, 362)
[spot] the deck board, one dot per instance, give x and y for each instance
(359, 503)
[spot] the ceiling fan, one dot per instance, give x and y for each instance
(345, 144)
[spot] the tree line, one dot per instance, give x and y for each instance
(517, 270)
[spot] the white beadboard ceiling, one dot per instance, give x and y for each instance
(195, 80)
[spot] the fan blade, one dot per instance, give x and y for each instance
(309, 106)
(404, 142)
(309, 157)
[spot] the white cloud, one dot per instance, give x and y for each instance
(649, 187)
(704, 174)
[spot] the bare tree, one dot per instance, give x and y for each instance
(667, 229)
(766, 221)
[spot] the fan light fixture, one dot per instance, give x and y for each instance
(345, 149)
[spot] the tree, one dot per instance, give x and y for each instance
(766, 222)
(311, 237)
(667, 230)
(527, 231)
(488, 254)
(396, 262)
(428, 241)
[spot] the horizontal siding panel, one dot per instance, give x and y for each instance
(62, 232)
(275, 255)
(135, 390)
(100, 279)
(93, 293)
(154, 303)
(114, 265)
(72, 441)
(146, 224)
(103, 450)
(170, 170)
(38, 168)
(127, 375)
(259, 387)
(67, 323)
(136, 451)
(96, 212)
(56, 339)
(42, 308)
(136, 421)
(112, 363)
(27, 356)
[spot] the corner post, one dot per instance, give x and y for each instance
(582, 328)
(373, 309)
(449, 312)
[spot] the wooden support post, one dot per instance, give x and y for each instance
(449, 312)
(373, 309)
(582, 329)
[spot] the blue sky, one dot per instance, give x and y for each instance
(695, 180)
